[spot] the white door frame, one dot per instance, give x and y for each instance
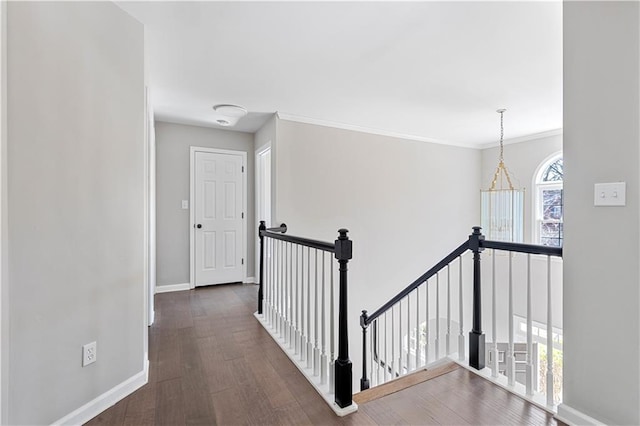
(192, 211)
(258, 186)
(4, 282)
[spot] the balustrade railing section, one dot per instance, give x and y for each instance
(304, 307)
(424, 323)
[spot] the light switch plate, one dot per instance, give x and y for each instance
(185, 204)
(610, 194)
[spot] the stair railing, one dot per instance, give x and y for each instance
(401, 330)
(296, 304)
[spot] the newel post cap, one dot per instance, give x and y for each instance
(344, 246)
(475, 238)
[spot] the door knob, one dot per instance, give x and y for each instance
(199, 226)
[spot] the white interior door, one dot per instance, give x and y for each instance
(218, 218)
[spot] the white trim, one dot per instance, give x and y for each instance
(372, 131)
(192, 212)
(519, 389)
(537, 186)
(526, 138)
(250, 280)
(106, 400)
(172, 287)
(571, 416)
(4, 282)
(257, 196)
(322, 389)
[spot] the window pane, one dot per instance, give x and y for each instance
(551, 234)
(552, 204)
(554, 172)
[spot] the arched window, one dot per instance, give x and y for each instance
(549, 209)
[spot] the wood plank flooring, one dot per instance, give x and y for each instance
(212, 363)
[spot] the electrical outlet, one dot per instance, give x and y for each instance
(89, 353)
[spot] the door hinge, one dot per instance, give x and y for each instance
(242, 169)
(243, 261)
(242, 215)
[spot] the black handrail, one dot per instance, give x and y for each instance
(342, 250)
(424, 277)
(307, 242)
(522, 248)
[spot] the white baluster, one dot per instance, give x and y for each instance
(316, 320)
(267, 290)
(308, 337)
(386, 350)
(408, 332)
(393, 352)
(418, 331)
(282, 288)
(437, 316)
(277, 285)
(461, 313)
(529, 371)
(379, 362)
(323, 356)
(511, 360)
(550, 399)
(332, 337)
(371, 353)
(296, 311)
(400, 338)
(292, 300)
(303, 334)
(494, 344)
(287, 293)
(272, 321)
(427, 334)
(448, 338)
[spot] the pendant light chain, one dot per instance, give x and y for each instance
(501, 170)
(501, 111)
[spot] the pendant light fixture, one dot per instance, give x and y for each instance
(502, 205)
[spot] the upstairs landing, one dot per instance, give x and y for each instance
(211, 362)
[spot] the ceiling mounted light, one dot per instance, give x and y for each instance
(229, 114)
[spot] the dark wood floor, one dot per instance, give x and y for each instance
(212, 363)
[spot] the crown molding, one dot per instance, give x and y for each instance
(541, 135)
(325, 123)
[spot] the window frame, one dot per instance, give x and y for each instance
(541, 186)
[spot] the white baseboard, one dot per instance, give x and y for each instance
(571, 416)
(106, 400)
(172, 287)
(250, 280)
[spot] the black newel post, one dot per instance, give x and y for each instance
(364, 381)
(261, 228)
(343, 371)
(476, 337)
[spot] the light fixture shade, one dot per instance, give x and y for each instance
(502, 205)
(228, 115)
(502, 212)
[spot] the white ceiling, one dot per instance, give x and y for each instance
(432, 70)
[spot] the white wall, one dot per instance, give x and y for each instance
(407, 204)
(522, 159)
(172, 186)
(601, 137)
(75, 204)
